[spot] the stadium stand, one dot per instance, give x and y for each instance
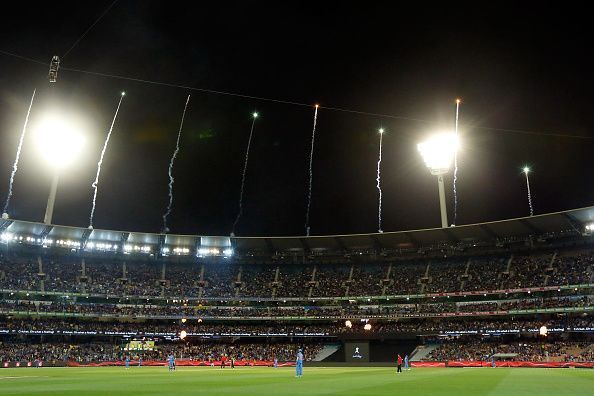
(488, 295)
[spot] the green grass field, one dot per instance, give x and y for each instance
(316, 381)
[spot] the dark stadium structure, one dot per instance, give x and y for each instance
(516, 291)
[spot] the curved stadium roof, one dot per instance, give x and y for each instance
(566, 222)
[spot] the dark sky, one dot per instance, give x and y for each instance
(525, 69)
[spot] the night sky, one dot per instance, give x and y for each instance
(516, 69)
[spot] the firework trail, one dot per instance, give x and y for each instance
(15, 166)
(378, 179)
(526, 170)
(171, 179)
(456, 166)
(96, 182)
(313, 137)
(245, 164)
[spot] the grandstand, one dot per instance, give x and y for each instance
(461, 295)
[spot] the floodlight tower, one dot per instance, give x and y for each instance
(438, 153)
(58, 143)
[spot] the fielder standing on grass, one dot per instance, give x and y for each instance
(171, 362)
(406, 362)
(399, 361)
(299, 364)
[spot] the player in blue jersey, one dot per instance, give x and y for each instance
(171, 361)
(127, 362)
(275, 362)
(299, 364)
(406, 367)
(140, 362)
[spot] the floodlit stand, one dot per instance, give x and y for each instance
(51, 199)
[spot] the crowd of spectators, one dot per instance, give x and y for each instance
(519, 350)
(484, 274)
(367, 280)
(257, 280)
(101, 352)
(572, 270)
(445, 277)
(194, 280)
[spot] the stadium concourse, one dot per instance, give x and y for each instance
(516, 292)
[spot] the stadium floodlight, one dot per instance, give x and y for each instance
(438, 154)
(182, 334)
(59, 143)
(367, 327)
(348, 324)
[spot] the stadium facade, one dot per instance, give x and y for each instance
(467, 293)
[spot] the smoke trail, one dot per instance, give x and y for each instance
(379, 187)
(171, 179)
(96, 182)
(15, 166)
(247, 153)
(529, 194)
(313, 137)
(456, 166)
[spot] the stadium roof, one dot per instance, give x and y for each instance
(572, 221)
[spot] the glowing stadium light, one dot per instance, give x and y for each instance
(182, 334)
(6, 237)
(255, 115)
(526, 169)
(184, 320)
(228, 252)
(438, 153)
(348, 324)
(181, 251)
(59, 141)
(367, 327)
(543, 331)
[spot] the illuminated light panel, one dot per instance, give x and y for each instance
(438, 152)
(58, 141)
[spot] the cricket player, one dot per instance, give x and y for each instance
(127, 362)
(399, 361)
(299, 364)
(406, 367)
